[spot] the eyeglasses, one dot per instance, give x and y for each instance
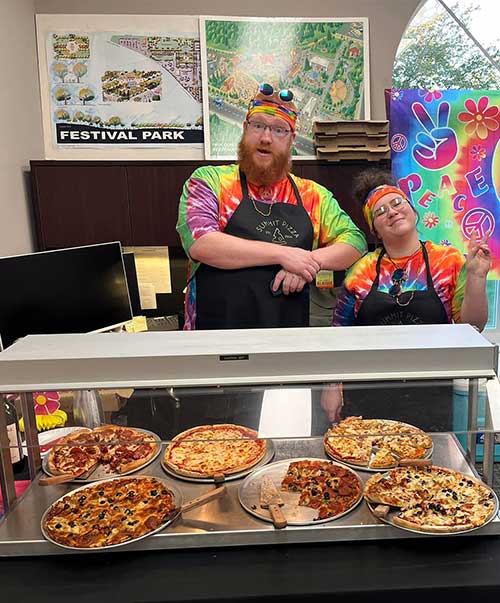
(259, 128)
(393, 203)
(285, 95)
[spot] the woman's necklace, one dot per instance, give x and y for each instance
(404, 267)
(399, 277)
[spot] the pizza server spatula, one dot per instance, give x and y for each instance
(270, 499)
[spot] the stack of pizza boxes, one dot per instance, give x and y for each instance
(359, 140)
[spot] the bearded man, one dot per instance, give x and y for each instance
(255, 234)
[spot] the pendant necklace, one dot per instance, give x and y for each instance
(399, 277)
(404, 276)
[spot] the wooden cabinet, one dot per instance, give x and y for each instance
(154, 193)
(80, 204)
(136, 202)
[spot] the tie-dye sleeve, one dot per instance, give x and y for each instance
(343, 313)
(198, 208)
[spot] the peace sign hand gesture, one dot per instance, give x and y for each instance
(478, 262)
(436, 146)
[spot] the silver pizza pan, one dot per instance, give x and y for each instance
(268, 456)
(177, 497)
(249, 495)
(103, 471)
(390, 521)
(375, 469)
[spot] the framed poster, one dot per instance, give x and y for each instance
(120, 86)
(323, 61)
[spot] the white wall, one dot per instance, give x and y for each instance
(20, 129)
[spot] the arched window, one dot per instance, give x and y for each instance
(450, 45)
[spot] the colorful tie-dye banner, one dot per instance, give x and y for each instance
(446, 157)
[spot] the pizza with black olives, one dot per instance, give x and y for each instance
(110, 512)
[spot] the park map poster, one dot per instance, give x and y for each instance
(324, 62)
(445, 149)
(118, 82)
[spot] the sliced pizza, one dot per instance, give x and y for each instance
(208, 450)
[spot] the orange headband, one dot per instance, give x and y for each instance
(375, 195)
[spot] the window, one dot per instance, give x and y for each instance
(437, 52)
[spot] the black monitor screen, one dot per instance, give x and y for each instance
(76, 290)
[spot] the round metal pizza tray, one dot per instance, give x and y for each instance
(103, 471)
(249, 495)
(269, 455)
(177, 500)
(375, 469)
(389, 519)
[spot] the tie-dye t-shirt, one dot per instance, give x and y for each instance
(447, 270)
(213, 193)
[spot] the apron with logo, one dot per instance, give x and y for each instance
(412, 307)
(241, 298)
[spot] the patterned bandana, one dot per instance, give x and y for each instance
(375, 195)
(273, 105)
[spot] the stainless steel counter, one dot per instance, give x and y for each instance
(224, 522)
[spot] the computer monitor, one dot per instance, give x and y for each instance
(75, 290)
(133, 283)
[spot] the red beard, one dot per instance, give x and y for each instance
(273, 172)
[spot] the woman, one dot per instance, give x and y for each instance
(406, 281)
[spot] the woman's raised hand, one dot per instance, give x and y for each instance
(478, 262)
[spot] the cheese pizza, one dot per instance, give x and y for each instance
(208, 450)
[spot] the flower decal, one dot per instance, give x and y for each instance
(46, 403)
(478, 153)
(396, 94)
(430, 220)
(479, 119)
(445, 242)
(430, 94)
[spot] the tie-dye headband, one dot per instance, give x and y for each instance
(273, 108)
(375, 195)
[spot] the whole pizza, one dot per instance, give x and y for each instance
(323, 485)
(121, 449)
(376, 443)
(432, 499)
(208, 450)
(110, 512)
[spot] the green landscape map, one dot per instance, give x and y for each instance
(322, 62)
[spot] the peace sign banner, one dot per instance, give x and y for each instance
(445, 148)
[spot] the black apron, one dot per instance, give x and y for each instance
(241, 298)
(424, 307)
(429, 406)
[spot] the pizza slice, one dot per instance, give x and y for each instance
(76, 454)
(124, 448)
(383, 459)
(352, 449)
(403, 447)
(381, 489)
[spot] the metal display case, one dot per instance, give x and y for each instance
(283, 373)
